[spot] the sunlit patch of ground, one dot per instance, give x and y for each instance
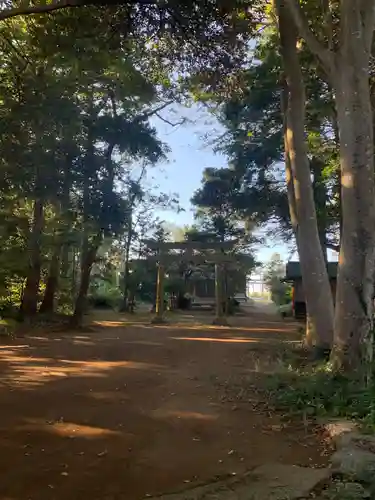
(232, 340)
(129, 409)
(30, 372)
(67, 429)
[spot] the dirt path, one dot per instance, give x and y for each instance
(131, 411)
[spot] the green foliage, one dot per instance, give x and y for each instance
(76, 121)
(259, 294)
(77, 91)
(253, 142)
(315, 391)
(218, 221)
(104, 296)
(281, 293)
(346, 490)
(216, 213)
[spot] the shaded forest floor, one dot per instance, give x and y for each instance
(129, 410)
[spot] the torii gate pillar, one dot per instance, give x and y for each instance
(159, 305)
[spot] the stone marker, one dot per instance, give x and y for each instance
(355, 462)
(284, 482)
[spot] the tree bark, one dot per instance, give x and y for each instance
(219, 310)
(316, 285)
(65, 264)
(355, 285)
(337, 181)
(88, 258)
(320, 197)
(348, 70)
(288, 165)
(29, 302)
(47, 305)
(310, 333)
(88, 249)
(125, 303)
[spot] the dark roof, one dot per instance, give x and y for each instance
(293, 270)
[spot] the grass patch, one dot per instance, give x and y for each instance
(8, 327)
(314, 391)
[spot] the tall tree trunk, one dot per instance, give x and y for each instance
(316, 285)
(125, 302)
(347, 68)
(29, 302)
(355, 285)
(89, 253)
(288, 164)
(65, 264)
(320, 197)
(310, 335)
(47, 305)
(75, 261)
(337, 177)
(89, 249)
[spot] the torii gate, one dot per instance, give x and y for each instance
(218, 258)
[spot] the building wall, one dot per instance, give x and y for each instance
(299, 295)
(205, 288)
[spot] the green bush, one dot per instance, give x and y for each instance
(317, 392)
(105, 297)
(281, 293)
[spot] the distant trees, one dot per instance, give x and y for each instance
(218, 217)
(71, 128)
(218, 211)
(274, 272)
(78, 89)
(75, 112)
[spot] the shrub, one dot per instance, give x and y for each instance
(105, 298)
(317, 392)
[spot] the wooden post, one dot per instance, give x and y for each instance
(225, 293)
(159, 306)
(219, 313)
(218, 292)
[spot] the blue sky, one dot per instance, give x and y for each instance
(190, 154)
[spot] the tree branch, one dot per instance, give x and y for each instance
(39, 9)
(328, 22)
(172, 124)
(17, 51)
(63, 4)
(152, 112)
(324, 55)
(108, 152)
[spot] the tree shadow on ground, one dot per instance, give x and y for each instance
(125, 411)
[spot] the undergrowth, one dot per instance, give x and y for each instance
(314, 391)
